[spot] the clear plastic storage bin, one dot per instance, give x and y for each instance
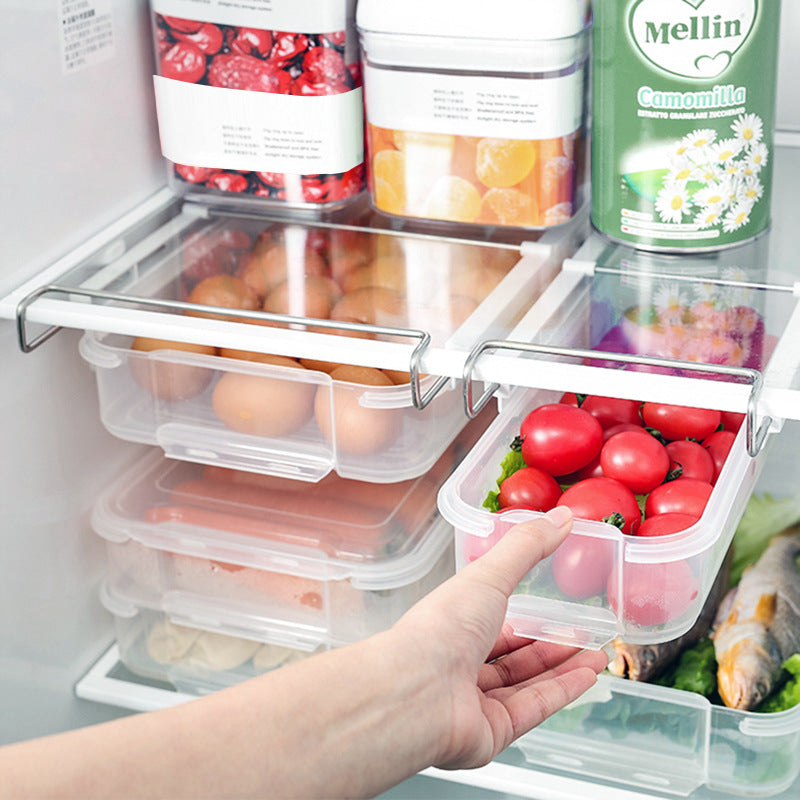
(191, 660)
(374, 299)
(644, 589)
(446, 143)
(662, 740)
(273, 559)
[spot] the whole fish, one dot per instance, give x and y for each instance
(641, 662)
(760, 627)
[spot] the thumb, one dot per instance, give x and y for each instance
(521, 549)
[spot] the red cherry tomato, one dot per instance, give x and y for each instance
(569, 399)
(718, 445)
(636, 459)
(680, 422)
(622, 426)
(603, 499)
(581, 565)
(591, 470)
(652, 594)
(664, 524)
(560, 439)
(476, 546)
(692, 459)
(682, 496)
(610, 411)
(732, 420)
(531, 488)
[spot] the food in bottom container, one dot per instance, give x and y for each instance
(484, 180)
(744, 650)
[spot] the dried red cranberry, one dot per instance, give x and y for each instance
(180, 25)
(274, 179)
(209, 38)
(288, 48)
(324, 65)
(231, 71)
(183, 61)
(193, 174)
(251, 42)
(227, 181)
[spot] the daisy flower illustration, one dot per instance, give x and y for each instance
(738, 216)
(670, 302)
(673, 202)
(758, 156)
(699, 139)
(726, 150)
(682, 170)
(707, 173)
(748, 129)
(708, 216)
(752, 189)
(714, 195)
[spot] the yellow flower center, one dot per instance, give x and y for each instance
(677, 202)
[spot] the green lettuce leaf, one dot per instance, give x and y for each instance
(764, 517)
(787, 693)
(511, 462)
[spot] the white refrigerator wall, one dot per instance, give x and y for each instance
(81, 148)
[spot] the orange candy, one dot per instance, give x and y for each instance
(491, 181)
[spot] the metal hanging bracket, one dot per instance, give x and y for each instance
(419, 399)
(756, 433)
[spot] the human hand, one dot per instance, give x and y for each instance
(493, 686)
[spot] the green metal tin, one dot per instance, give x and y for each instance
(683, 118)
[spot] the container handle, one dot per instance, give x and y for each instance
(756, 433)
(419, 399)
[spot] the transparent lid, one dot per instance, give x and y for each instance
(384, 534)
(530, 20)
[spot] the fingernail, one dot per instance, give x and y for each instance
(560, 516)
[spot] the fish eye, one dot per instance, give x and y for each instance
(761, 690)
(648, 655)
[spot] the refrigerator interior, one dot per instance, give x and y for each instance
(83, 153)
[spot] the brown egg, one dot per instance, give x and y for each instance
(226, 291)
(330, 366)
(385, 271)
(400, 377)
(278, 262)
(353, 428)
(474, 279)
(170, 381)
(263, 405)
(372, 305)
(309, 296)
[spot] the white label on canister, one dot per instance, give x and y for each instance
(293, 16)
(259, 131)
(512, 108)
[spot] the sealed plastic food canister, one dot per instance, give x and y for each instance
(476, 115)
(260, 102)
(683, 109)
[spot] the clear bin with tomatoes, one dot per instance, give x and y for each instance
(315, 375)
(656, 491)
(260, 106)
(190, 659)
(273, 559)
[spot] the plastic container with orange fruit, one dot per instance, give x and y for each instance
(476, 118)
